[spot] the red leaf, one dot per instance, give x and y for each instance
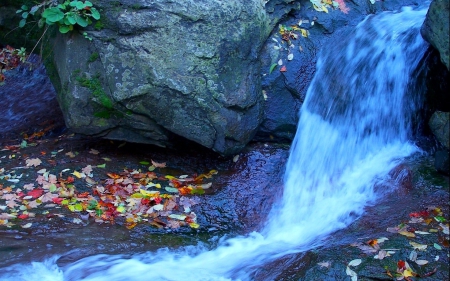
(401, 264)
(57, 200)
(35, 193)
(283, 69)
(83, 195)
(23, 216)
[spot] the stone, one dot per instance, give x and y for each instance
(161, 70)
(435, 28)
(440, 126)
(441, 161)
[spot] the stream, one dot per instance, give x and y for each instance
(355, 128)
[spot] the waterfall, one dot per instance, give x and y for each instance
(354, 128)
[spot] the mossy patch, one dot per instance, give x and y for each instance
(106, 109)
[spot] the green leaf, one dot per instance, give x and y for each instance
(437, 246)
(92, 205)
(22, 22)
(82, 21)
(25, 15)
(24, 7)
(198, 191)
(272, 67)
(101, 166)
(439, 219)
(23, 144)
(88, 4)
(71, 18)
(144, 162)
(95, 13)
(64, 28)
(34, 9)
(78, 207)
(171, 189)
(41, 23)
(80, 5)
(53, 15)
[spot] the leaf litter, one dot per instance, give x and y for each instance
(431, 221)
(131, 196)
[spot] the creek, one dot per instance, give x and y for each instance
(356, 126)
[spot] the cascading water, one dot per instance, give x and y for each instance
(354, 128)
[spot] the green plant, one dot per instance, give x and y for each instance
(93, 57)
(65, 15)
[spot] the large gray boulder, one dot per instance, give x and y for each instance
(160, 69)
(435, 28)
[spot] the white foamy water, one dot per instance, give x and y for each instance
(354, 129)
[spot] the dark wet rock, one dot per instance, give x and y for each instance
(437, 83)
(435, 28)
(246, 191)
(402, 177)
(442, 161)
(440, 126)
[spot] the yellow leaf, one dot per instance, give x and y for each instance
(77, 174)
(408, 273)
(407, 233)
(325, 9)
(304, 32)
(150, 193)
(120, 209)
(418, 246)
(194, 225)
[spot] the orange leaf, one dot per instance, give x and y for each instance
(113, 175)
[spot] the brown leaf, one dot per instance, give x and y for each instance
(33, 162)
(158, 165)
